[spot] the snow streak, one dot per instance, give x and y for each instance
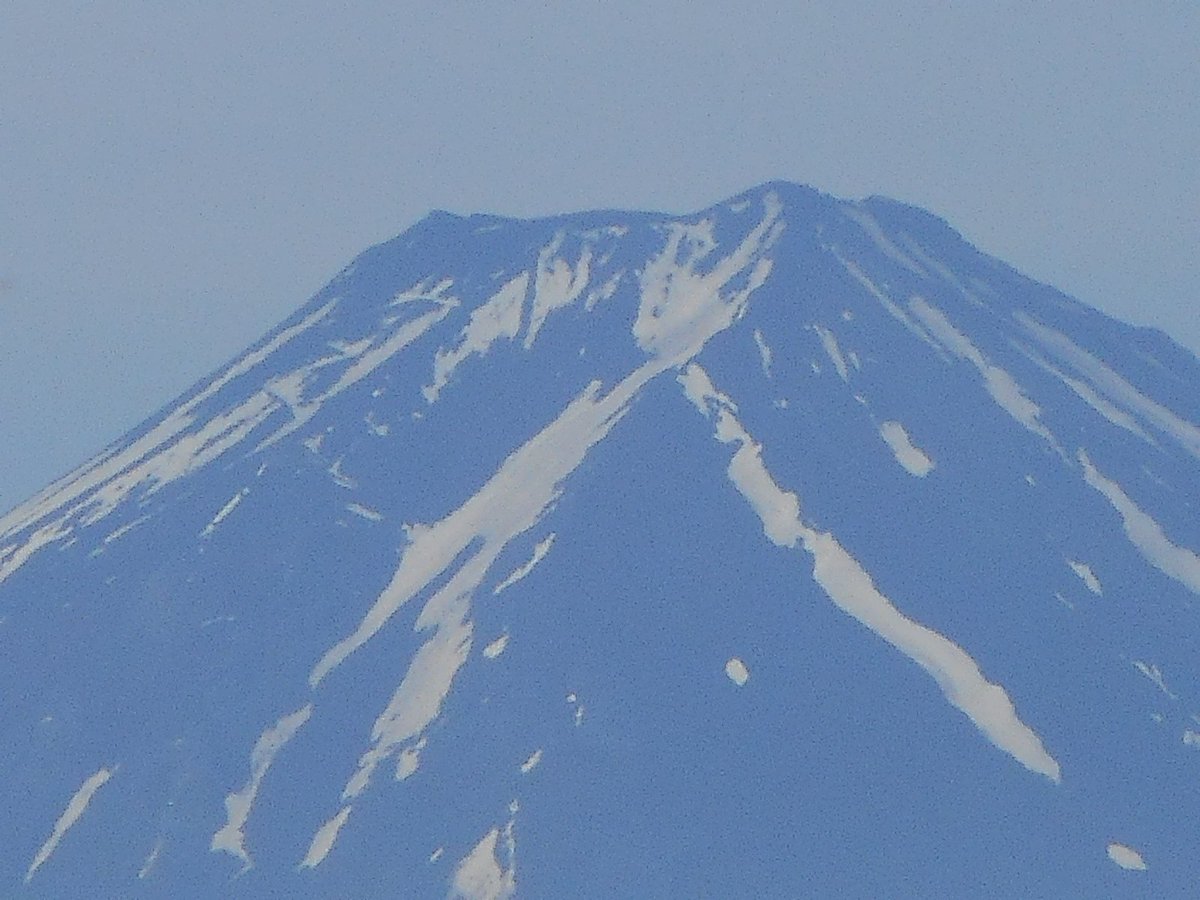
(852, 590)
(75, 808)
(680, 310)
(1144, 533)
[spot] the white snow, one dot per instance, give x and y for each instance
(573, 699)
(556, 285)
(682, 308)
(673, 324)
(604, 292)
(380, 351)
(324, 839)
(1191, 738)
(17, 555)
(1154, 673)
(680, 311)
(764, 352)
(853, 591)
(1088, 395)
(481, 876)
(231, 838)
(1114, 387)
(377, 428)
(365, 512)
(870, 225)
(1126, 857)
(539, 553)
(223, 512)
(418, 699)
(75, 808)
(531, 763)
(1087, 576)
(151, 859)
(894, 309)
(1000, 385)
(119, 533)
(423, 291)
(340, 478)
(737, 671)
(911, 457)
(496, 647)
(833, 351)
(101, 484)
(499, 317)
(1144, 533)
(410, 760)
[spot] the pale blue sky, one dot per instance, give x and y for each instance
(175, 178)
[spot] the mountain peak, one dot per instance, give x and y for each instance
(789, 547)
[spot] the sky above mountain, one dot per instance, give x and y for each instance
(176, 180)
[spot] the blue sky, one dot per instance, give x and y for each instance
(177, 178)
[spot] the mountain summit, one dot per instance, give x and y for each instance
(792, 548)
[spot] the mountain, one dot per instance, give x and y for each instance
(793, 548)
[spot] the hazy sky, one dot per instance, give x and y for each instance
(177, 177)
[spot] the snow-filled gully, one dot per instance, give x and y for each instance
(681, 308)
(850, 587)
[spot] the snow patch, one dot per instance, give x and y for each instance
(531, 763)
(764, 352)
(153, 455)
(75, 808)
(231, 838)
(897, 312)
(556, 285)
(737, 671)
(1144, 533)
(324, 840)
(340, 478)
(17, 555)
(380, 351)
(410, 760)
(682, 308)
(1114, 387)
(1000, 385)
(1154, 673)
(223, 512)
(1087, 576)
(1088, 395)
(377, 428)
(499, 317)
(852, 590)
(365, 512)
(539, 553)
(869, 224)
(151, 859)
(833, 351)
(1126, 857)
(911, 457)
(496, 647)
(481, 875)
(679, 313)
(602, 293)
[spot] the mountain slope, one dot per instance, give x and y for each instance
(790, 548)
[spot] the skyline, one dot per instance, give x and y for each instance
(194, 175)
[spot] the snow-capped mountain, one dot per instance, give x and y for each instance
(793, 548)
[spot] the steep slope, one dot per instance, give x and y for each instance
(791, 548)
